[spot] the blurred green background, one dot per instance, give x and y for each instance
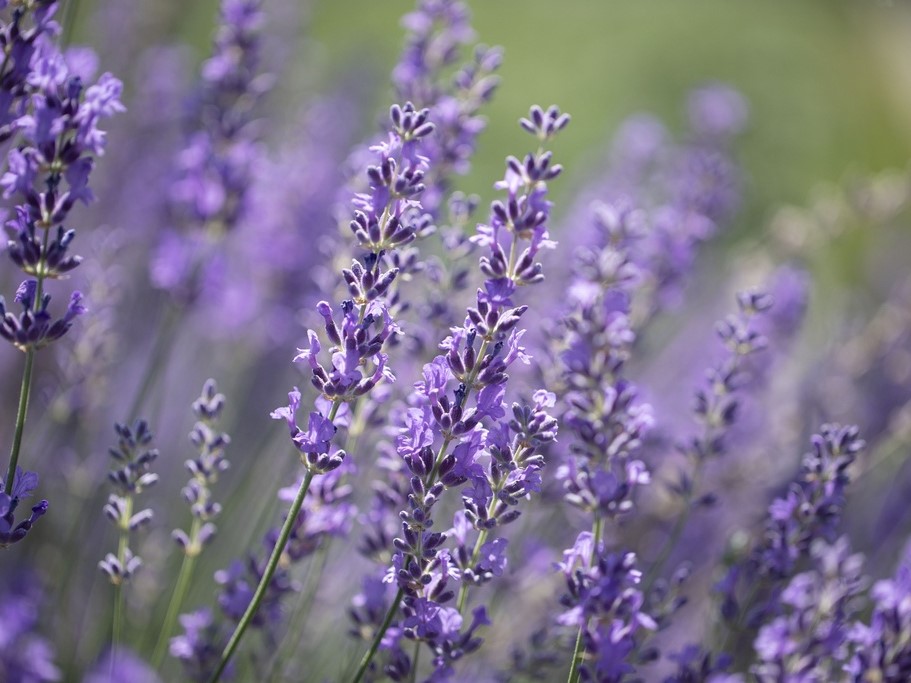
(820, 76)
(829, 82)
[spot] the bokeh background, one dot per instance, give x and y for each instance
(828, 82)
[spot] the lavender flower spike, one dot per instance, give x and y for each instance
(47, 173)
(10, 497)
(204, 471)
(455, 421)
(386, 217)
(134, 457)
(210, 194)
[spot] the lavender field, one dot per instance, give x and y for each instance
(340, 343)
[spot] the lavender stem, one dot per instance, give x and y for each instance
(270, 568)
(177, 598)
(368, 656)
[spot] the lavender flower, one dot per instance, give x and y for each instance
(601, 408)
(21, 37)
(210, 193)
(129, 480)
(881, 650)
(34, 328)
(24, 654)
(10, 496)
(811, 509)
(422, 568)
(199, 647)
(604, 602)
(717, 406)
(807, 642)
(48, 173)
(204, 470)
(437, 32)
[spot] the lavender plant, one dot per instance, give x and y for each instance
(422, 567)
(53, 122)
(204, 471)
(497, 477)
(133, 458)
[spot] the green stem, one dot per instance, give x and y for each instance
(116, 623)
(378, 637)
(24, 393)
(271, 566)
(475, 554)
(177, 597)
(574, 672)
(69, 22)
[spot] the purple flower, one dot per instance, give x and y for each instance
(24, 654)
(807, 641)
(604, 601)
(34, 328)
(23, 485)
(204, 470)
(717, 111)
(210, 194)
(133, 457)
(199, 647)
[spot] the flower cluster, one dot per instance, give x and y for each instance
(48, 169)
(819, 607)
(444, 440)
(522, 465)
(882, 649)
(10, 496)
(811, 509)
(437, 32)
(134, 457)
(209, 196)
(204, 469)
(604, 602)
(602, 409)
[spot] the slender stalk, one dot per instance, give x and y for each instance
(177, 597)
(315, 575)
(116, 625)
(271, 566)
(24, 392)
(578, 653)
(69, 22)
(117, 620)
(475, 554)
(378, 637)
